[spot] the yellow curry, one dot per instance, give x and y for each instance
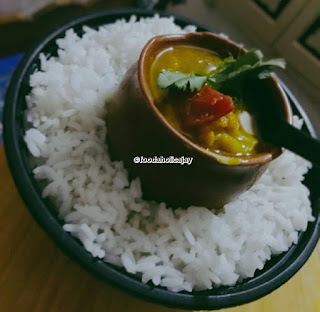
(207, 117)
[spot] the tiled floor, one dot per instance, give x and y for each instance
(199, 11)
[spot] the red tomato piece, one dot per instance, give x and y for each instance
(206, 106)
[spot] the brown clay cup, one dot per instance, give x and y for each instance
(136, 128)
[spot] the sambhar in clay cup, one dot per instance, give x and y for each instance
(187, 144)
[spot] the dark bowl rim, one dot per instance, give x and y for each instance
(25, 183)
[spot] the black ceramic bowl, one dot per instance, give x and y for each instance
(276, 271)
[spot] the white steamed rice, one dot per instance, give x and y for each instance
(178, 249)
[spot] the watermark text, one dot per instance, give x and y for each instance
(182, 160)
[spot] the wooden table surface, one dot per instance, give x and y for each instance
(36, 276)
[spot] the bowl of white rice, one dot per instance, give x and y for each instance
(55, 140)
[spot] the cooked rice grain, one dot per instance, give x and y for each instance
(181, 249)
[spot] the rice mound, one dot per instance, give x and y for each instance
(182, 249)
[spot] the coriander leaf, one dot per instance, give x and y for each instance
(264, 74)
(246, 64)
(217, 80)
(197, 82)
(168, 78)
(248, 58)
(182, 84)
(226, 67)
(181, 81)
(275, 62)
